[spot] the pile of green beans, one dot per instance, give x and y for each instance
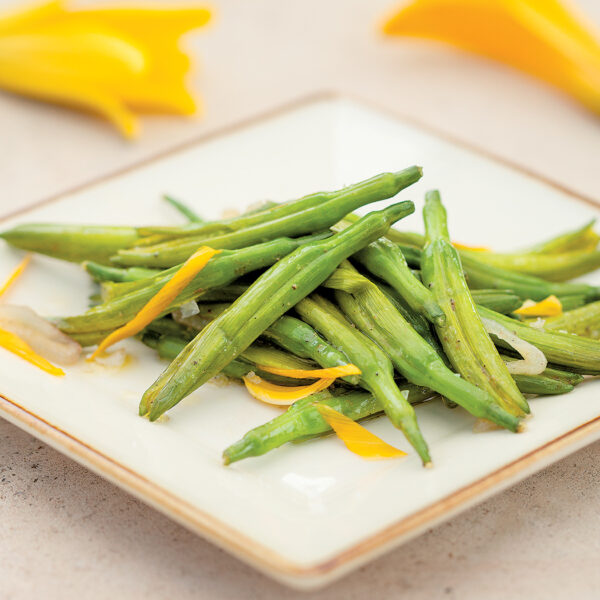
(307, 284)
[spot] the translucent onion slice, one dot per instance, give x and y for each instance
(330, 373)
(358, 439)
(43, 337)
(549, 307)
(281, 395)
(534, 361)
(187, 310)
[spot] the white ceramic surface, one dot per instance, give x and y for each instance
(302, 514)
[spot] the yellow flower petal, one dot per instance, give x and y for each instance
(13, 343)
(37, 82)
(126, 57)
(148, 95)
(161, 301)
(330, 373)
(145, 23)
(18, 19)
(549, 307)
(530, 35)
(358, 439)
(16, 273)
(281, 395)
(95, 56)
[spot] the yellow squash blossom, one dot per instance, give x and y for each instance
(110, 61)
(545, 38)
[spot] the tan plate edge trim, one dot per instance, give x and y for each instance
(239, 545)
(145, 489)
(232, 540)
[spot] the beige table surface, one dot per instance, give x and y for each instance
(66, 533)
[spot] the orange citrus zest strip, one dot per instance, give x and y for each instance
(358, 439)
(549, 307)
(281, 395)
(15, 274)
(332, 372)
(13, 343)
(158, 303)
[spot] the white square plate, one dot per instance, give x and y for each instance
(302, 514)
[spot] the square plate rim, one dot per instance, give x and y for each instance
(249, 550)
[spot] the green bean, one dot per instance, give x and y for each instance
(551, 267)
(257, 354)
(541, 386)
(105, 273)
(406, 238)
(185, 210)
(502, 301)
(579, 354)
(584, 321)
(563, 377)
(570, 302)
(222, 269)
(485, 276)
(170, 327)
(463, 336)
(300, 338)
(170, 338)
(373, 314)
(269, 356)
(385, 260)
(377, 372)
(89, 338)
(583, 238)
(296, 337)
(312, 219)
(225, 293)
(482, 275)
(303, 421)
(411, 255)
(162, 233)
(74, 243)
(169, 347)
(275, 211)
(271, 295)
(418, 321)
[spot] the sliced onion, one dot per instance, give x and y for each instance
(538, 323)
(189, 309)
(534, 361)
(43, 337)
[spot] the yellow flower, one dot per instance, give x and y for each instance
(545, 38)
(110, 61)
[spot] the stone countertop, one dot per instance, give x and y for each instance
(67, 533)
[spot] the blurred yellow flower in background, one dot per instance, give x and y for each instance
(545, 38)
(111, 61)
